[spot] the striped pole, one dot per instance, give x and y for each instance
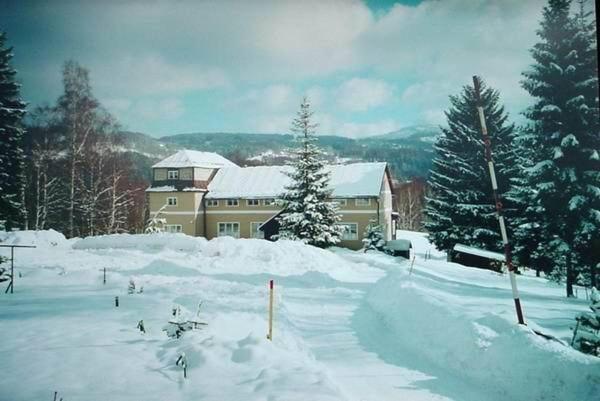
(498, 201)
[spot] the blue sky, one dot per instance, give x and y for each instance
(166, 67)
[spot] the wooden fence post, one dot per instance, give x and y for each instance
(270, 335)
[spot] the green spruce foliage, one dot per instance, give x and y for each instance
(12, 111)
(461, 206)
(560, 186)
(308, 214)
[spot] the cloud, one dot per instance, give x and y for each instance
(271, 98)
(439, 45)
(265, 55)
(359, 94)
(329, 124)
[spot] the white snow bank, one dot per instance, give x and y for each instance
(177, 242)
(504, 360)
(45, 238)
(420, 243)
(282, 258)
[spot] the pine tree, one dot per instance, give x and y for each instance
(460, 208)
(12, 111)
(586, 336)
(308, 214)
(563, 181)
(373, 238)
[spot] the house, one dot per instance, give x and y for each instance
(204, 194)
(475, 257)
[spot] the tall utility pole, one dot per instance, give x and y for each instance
(498, 201)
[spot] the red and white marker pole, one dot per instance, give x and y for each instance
(498, 201)
(270, 334)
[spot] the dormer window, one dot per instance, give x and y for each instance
(173, 174)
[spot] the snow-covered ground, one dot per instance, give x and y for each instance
(348, 325)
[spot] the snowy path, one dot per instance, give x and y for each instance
(324, 319)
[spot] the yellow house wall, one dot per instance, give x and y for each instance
(184, 213)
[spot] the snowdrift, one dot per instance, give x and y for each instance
(506, 361)
(45, 238)
(282, 258)
(176, 242)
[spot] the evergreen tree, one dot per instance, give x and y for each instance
(460, 208)
(562, 182)
(373, 238)
(308, 214)
(12, 111)
(586, 336)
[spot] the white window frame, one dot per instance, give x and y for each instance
(227, 202)
(230, 233)
(341, 202)
(256, 233)
(347, 235)
(174, 176)
(171, 201)
(255, 202)
(269, 201)
(212, 203)
(362, 201)
(173, 228)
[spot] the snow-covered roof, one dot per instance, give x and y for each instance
(194, 158)
(347, 181)
(479, 252)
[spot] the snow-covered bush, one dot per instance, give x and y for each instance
(373, 238)
(586, 336)
(4, 271)
(131, 287)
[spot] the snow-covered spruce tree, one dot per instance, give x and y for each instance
(308, 215)
(460, 208)
(563, 180)
(12, 111)
(586, 336)
(373, 238)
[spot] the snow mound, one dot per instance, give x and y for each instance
(41, 239)
(505, 360)
(282, 258)
(161, 241)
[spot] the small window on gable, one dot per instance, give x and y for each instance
(363, 201)
(172, 201)
(269, 202)
(173, 174)
(212, 202)
(252, 202)
(233, 202)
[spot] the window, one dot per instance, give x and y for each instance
(172, 201)
(341, 202)
(232, 202)
(212, 202)
(173, 228)
(349, 231)
(255, 232)
(269, 202)
(363, 201)
(173, 174)
(229, 229)
(252, 202)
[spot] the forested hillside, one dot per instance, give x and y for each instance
(408, 153)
